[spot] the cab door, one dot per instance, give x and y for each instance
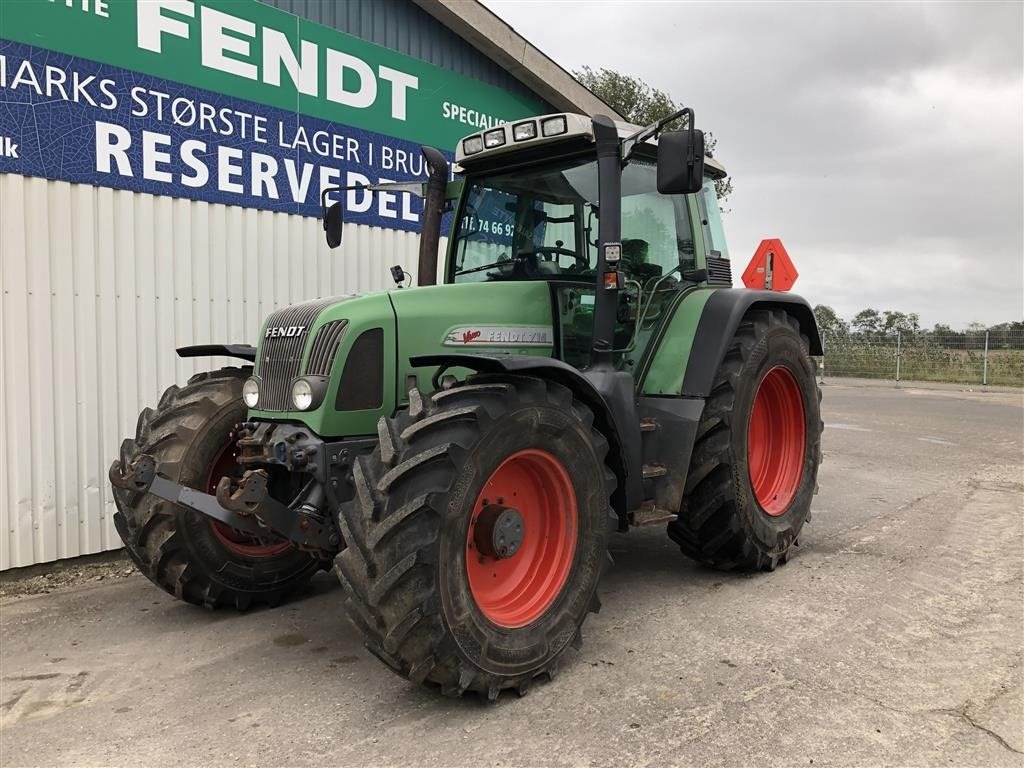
(658, 246)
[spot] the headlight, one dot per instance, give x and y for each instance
(472, 145)
(251, 392)
(554, 126)
(302, 394)
(524, 131)
(494, 138)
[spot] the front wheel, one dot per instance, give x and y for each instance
(477, 534)
(191, 556)
(755, 461)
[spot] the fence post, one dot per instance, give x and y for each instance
(898, 355)
(821, 373)
(984, 369)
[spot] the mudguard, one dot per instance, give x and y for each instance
(719, 321)
(612, 417)
(241, 351)
(710, 319)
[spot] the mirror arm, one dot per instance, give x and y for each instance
(652, 131)
(323, 203)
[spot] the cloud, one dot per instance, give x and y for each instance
(881, 142)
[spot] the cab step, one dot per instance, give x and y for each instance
(648, 424)
(649, 514)
(651, 471)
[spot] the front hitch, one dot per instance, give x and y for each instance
(246, 499)
(249, 508)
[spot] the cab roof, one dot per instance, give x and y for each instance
(539, 131)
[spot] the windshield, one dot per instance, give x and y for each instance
(541, 223)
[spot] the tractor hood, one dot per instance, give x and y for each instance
(354, 351)
(499, 317)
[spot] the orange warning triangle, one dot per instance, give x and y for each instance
(771, 267)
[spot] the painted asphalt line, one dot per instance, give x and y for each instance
(936, 440)
(850, 427)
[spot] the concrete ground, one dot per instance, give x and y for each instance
(894, 637)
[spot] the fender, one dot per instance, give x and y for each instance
(710, 319)
(718, 323)
(615, 419)
(241, 351)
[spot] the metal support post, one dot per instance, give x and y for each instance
(824, 342)
(984, 369)
(899, 354)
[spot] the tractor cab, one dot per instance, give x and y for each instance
(530, 211)
(606, 224)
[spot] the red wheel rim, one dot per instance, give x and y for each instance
(516, 590)
(226, 465)
(776, 438)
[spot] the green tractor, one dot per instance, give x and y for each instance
(460, 453)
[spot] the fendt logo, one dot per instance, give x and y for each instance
(500, 336)
(279, 331)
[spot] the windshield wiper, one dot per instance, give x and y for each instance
(485, 266)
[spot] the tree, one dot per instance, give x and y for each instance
(899, 321)
(1007, 335)
(639, 103)
(867, 321)
(830, 324)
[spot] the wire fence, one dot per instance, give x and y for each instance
(983, 357)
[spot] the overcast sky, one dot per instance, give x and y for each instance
(881, 142)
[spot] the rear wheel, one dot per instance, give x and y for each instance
(755, 461)
(192, 557)
(477, 534)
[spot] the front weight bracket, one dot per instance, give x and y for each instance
(249, 508)
(137, 477)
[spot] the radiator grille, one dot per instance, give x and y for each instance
(325, 348)
(362, 379)
(280, 356)
(719, 271)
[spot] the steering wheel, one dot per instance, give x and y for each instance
(555, 250)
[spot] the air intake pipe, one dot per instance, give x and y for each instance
(609, 229)
(433, 212)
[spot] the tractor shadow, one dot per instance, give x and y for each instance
(647, 557)
(308, 639)
(314, 614)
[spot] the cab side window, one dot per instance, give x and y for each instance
(656, 235)
(711, 221)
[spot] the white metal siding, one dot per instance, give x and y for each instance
(98, 288)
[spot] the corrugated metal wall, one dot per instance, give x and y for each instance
(98, 288)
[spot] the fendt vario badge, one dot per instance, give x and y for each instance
(281, 331)
(499, 336)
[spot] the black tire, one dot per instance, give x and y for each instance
(721, 523)
(175, 547)
(405, 570)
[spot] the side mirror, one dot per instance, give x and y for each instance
(333, 219)
(680, 162)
